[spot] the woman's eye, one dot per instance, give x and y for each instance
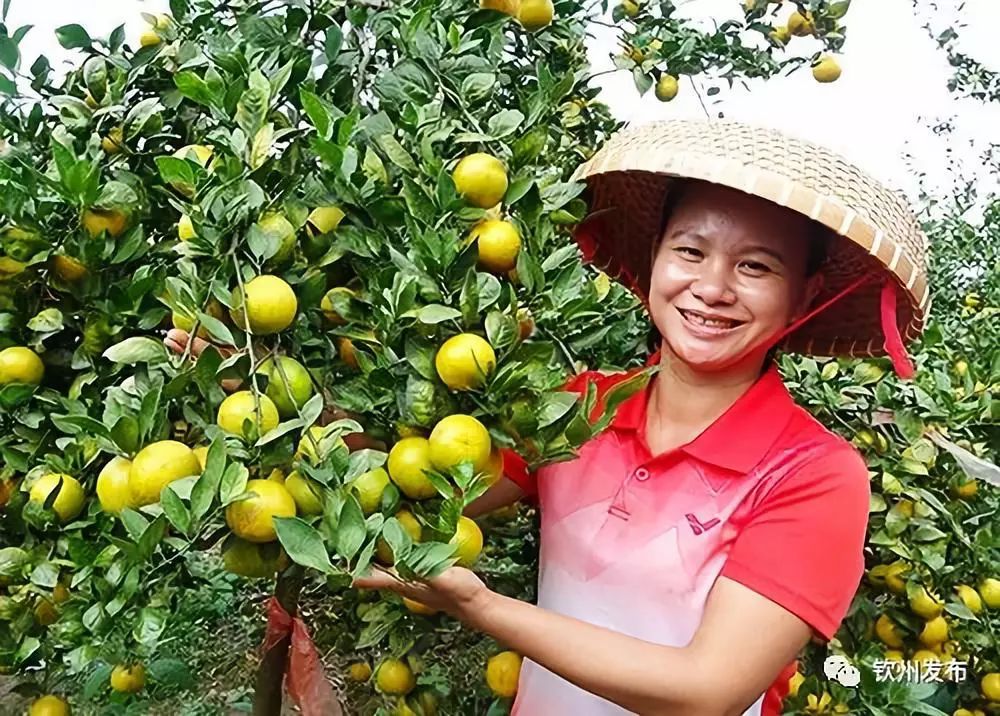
(688, 251)
(755, 267)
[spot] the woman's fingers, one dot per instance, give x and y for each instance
(177, 341)
(381, 578)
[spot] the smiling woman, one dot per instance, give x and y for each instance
(714, 516)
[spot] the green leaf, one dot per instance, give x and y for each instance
(376, 631)
(420, 355)
(205, 489)
(912, 466)
(75, 424)
(135, 523)
(12, 561)
(73, 37)
(434, 313)
(262, 244)
(178, 172)
(373, 167)
(333, 42)
(505, 123)
(501, 330)
(303, 543)
(351, 530)
(530, 146)
(95, 76)
(557, 195)
(45, 575)
(253, 105)
(282, 429)
(478, 86)
(175, 510)
(398, 539)
(97, 681)
(137, 349)
(418, 202)
(281, 77)
(554, 406)
(643, 82)
(261, 146)
(234, 483)
(151, 623)
(517, 189)
(312, 409)
(317, 113)
(217, 329)
(406, 83)
(125, 433)
(469, 299)
(149, 410)
(431, 559)
(153, 534)
(196, 89)
(868, 373)
(911, 425)
(117, 38)
(9, 54)
(927, 533)
(140, 114)
(396, 153)
(838, 10)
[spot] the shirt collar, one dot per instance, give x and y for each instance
(740, 437)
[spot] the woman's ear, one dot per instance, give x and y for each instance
(813, 286)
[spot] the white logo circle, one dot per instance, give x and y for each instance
(838, 668)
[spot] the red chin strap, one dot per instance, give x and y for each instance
(894, 347)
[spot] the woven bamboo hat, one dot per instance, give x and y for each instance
(879, 243)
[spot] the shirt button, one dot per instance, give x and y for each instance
(642, 474)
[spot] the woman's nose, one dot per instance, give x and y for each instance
(712, 284)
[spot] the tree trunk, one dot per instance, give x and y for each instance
(271, 672)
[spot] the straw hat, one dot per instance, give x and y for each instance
(878, 242)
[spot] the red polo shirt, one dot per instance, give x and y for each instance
(634, 542)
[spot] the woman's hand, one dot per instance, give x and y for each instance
(177, 341)
(456, 591)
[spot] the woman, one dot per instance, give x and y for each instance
(691, 550)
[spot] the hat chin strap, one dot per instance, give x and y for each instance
(894, 347)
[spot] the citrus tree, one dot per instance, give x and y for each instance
(365, 208)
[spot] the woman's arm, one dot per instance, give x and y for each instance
(504, 492)
(741, 646)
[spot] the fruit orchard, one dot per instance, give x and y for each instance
(365, 209)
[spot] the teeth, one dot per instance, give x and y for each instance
(710, 322)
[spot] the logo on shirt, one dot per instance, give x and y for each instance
(701, 527)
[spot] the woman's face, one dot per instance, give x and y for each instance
(728, 277)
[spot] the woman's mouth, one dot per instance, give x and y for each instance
(706, 324)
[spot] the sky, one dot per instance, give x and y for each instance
(893, 88)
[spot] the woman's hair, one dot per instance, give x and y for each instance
(817, 235)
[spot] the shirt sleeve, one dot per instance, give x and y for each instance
(803, 546)
(514, 466)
